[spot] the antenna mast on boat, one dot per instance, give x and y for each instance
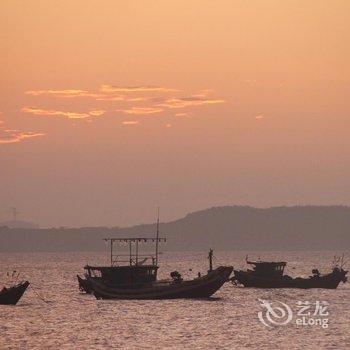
(157, 240)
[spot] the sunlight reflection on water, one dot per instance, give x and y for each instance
(69, 319)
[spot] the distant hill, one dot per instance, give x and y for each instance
(230, 227)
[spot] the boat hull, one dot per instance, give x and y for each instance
(328, 281)
(202, 287)
(11, 296)
(84, 285)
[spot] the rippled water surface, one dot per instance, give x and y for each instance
(54, 314)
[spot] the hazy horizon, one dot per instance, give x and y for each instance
(111, 109)
(173, 219)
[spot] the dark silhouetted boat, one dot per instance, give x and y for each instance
(135, 276)
(11, 295)
(270, 275)
(200, 287)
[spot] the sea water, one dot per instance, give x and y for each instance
(53, 313)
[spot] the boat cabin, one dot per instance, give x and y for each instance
(268, 269)
(123, 274)
(131, 268)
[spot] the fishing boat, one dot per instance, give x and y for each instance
(11, 295)
(200, 287)
(134, 276)
(271, 275)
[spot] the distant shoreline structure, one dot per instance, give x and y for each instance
(19, 224)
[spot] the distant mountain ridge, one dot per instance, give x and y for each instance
(228, 228)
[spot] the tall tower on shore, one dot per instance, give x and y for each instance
(15, 213)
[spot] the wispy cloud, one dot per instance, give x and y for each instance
(130, 122)
(104, 93)
(184, 102)
(69, 115)
(140, 110)
(68, 93)
(108, 97)
(146, 88)
(203, 93)
(15, 136)
(134, 100)
(181, 114)
(73, 93)
(97, 112)
(138, 99)
(259, 117)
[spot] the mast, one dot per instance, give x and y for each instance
(130, 253)
(137, 252)
(157, 238)
(210, 257)
(111, 252)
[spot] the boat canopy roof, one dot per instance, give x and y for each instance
(134, 258)
(123, 267)
(270, 264)
(136, 239)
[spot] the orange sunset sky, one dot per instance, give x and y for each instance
(109, 109)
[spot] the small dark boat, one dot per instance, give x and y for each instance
(11, 295)
(270, 275)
